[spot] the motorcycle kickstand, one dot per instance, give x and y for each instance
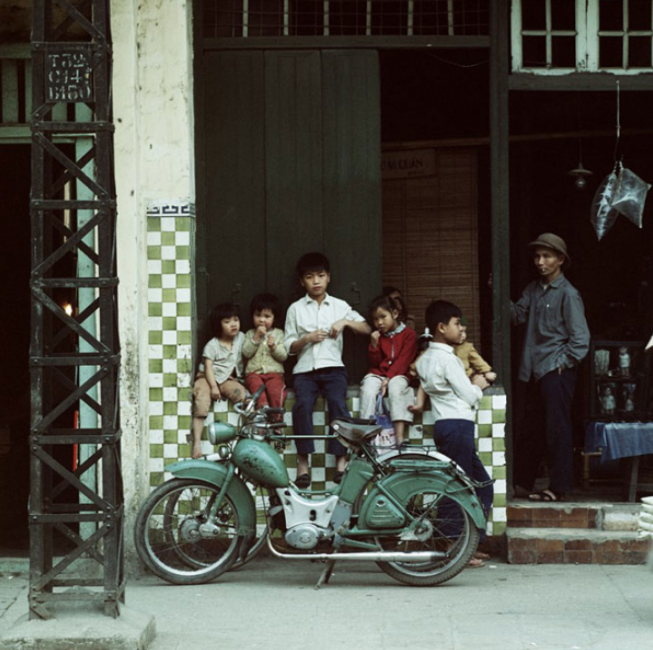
(326, 574)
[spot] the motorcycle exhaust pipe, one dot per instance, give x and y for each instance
(363, 556)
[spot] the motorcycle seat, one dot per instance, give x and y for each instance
(355, 434)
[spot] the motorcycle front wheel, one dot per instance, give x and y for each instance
(178, 540)
(448, 528)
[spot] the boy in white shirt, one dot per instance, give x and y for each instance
(314, 326)
(454, 398)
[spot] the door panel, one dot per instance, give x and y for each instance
(234, 177)
(293, 166)
(352, 198)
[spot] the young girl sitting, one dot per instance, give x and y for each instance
(392, 349)
(265, 352)
(220, 369)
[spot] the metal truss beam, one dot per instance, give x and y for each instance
(76, 507)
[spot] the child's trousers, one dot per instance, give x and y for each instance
(400, 396)
(455, 439)
(275, 392)
(231, 389)
(331, 383)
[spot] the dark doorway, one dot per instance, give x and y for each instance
(436, 191)
(14, 349)
(550, 133)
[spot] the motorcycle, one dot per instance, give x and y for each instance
(412, 510)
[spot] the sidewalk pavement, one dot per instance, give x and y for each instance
(273, 604)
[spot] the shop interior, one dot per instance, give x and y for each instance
(441, 97)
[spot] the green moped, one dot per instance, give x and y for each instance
(412, 510)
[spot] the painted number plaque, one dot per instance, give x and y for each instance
(68, 76)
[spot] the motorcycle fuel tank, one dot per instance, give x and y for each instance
(260, 463)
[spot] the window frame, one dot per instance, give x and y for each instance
(588, 37)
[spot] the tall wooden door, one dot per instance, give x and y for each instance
(291, 164)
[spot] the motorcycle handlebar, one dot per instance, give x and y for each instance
(274, 410)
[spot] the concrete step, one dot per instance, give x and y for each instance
(600, 516)
(558, 545)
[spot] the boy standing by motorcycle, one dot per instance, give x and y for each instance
(454, 398)
(314, 327)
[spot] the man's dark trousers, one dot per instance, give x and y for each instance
(545, 430)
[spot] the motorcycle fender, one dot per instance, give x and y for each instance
(403, 485)
(216, 473)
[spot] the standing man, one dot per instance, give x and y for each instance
(557, 340)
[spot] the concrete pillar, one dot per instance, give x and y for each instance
(154, 166)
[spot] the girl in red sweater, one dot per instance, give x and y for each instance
(392, 349)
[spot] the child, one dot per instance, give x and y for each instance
(314, 327)
(222, 364)
(392, 349)
(453, 398)
(472, 361)
(404, 316)
(265, 352)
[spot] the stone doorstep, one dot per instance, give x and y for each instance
(558, 545)
(601, 516)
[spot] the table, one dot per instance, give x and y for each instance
(621, 440)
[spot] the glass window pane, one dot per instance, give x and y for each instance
(611, 15)
(533, 14)
(639, 52)
(347, 18)
(307, 19)
(563, 14)
(430, 18)
(265, 17)
(639, 15)
(534, 51)
(390, 18)
(610, 52)
(564, 51)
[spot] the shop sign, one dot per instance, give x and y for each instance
(408, 163)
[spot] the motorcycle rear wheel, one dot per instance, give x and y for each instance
(169, 539)
(452, 531)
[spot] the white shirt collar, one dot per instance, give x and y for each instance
(445, 347)
(310, 300)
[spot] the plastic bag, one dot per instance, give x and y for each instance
(630, 195)
(603, 214)
(386, 438)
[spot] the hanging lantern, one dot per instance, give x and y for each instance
(580, 174)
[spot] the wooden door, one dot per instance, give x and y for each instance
(291, 164)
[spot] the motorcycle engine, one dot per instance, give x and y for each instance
(303, 536)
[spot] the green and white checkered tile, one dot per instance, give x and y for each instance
(489, 433)
(170, 237)
(170, 241)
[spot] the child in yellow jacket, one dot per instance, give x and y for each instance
(472, 360)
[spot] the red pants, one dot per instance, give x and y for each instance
(275, 391)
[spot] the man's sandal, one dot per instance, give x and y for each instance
(546, 496)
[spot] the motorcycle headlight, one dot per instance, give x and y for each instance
(224, 451)
(220, 432)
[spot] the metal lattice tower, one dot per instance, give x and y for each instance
(76, 506)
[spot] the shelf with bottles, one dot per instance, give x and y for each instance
(619, 379)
